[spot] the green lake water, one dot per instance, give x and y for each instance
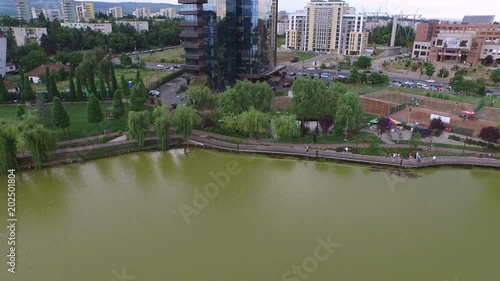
(144, 216)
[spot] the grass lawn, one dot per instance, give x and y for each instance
(280, 40)
(168, 56)
(361, 137)
(285, 57)
(79, 128)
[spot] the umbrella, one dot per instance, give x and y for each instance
(468, 112)
(374, 121)
(394, 121)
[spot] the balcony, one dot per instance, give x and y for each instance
(192, 1)
(191, 12)
(192, 45)
(192, 67)
(196, 56)
(191, 34)
(199, 22)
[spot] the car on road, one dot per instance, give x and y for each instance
(177, 66)
(311, 68)
(338, 69)
(430, 81)
(287, 85)
(380, 71)
(325, 75)
(154, 93)
(341, 77)
(160, 66)
(292, 74)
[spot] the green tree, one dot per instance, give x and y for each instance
(125, 60)
(245, 95)
(27, 93)
(72, 90)
(114, 83)
(138, 97)
(40, 142)
(42, 110)
(443, 72)
(186, 119)
(8, 147)
(118, 108)
(429, 70)
(34, 59)
(307, 99)
(138, 126)
(349, 112)
(354, 76)
(138, 76)
(285, 127)
(4, 96)
(163, 123)
(20, 111)
(376, 78)
(495, 76)
(124, 87)
(102, 89)
(60, 117)
(91, 82)
(200, 97)
(94, 111)
(78, 90)
(46, 80)
(415, 140)
(364, 62)
(252, 122)
(54, 92)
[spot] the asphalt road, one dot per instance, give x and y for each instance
(168, 92)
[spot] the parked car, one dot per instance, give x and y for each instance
(154, 93)
(160, 66)
(430, 81)
(325, 75)
(292, 74)
(380, 71)
(287, 85)
(311, 68)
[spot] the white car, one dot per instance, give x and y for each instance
(311, 68)
(325, 75)
(154, 93)
(160, 66)
(430, 81)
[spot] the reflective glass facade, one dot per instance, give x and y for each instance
(238, 38)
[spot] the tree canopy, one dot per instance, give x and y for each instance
(60, 117)
(285, 127)
(186, 119)
(245, 95)
(163, 123)
(349, 112)
(251, 122)
(364, 62)
(201, 97)
(490, 134)
(94, 111)
(138, 126)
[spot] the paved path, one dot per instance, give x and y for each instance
(88, 138)
(293, 150)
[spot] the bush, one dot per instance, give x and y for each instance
(163, 60)
(427, 94)
(455, 138)
(475, 142)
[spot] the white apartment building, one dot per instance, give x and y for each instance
(68, 9)
(23, 34)
(327, 26)
(169, 13)
(143, 12)
(103, 27)
(138, 25)
(23, 9)
(421, 49)
(116, 11)
(354, 38)
(49, 14)
(3, 56)
(85, 11)
(294, 38)
(282, 27)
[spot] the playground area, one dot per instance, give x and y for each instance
(412, 109)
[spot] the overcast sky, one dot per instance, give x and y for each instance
(427, 8)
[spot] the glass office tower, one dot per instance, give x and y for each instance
(229, 39)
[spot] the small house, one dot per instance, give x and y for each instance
(36, 75)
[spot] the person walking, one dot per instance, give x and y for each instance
(307, 149)
(434, 159)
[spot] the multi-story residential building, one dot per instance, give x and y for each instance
(143, 12)
(68, 9)
(24, 34)
(49, 14)
(169, 13)
(23, 9)
(460, 43)
(328, 26)
(138, 25)
(103, 27)
(294, 38)
(116, 12)
(3, 56)
(226, 40)
(85, 11)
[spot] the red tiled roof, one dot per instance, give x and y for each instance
(40, 71)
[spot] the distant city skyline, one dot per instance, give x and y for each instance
(427, 8)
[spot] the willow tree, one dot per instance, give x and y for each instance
(285, 127)
(138, 126)
(163, 123)
(41, 142)
(8, 148)
(252, 122)
(186, 118)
